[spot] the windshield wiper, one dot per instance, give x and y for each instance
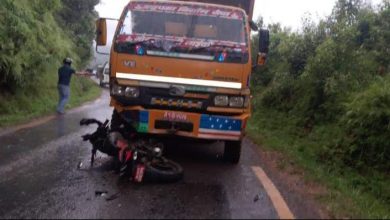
(157, 43)
(212, 46)
(129, 46)
(138, 42)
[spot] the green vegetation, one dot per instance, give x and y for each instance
(35, 36)
(323, 99)
(25, 105)
(77, 18)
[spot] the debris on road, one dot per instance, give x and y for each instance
(258, 197)
(112, 197)
(100, 193)
(79, 165)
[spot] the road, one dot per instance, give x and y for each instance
(39, 178)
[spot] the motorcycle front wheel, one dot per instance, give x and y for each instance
(163, 170)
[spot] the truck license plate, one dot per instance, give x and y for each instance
(175, 116)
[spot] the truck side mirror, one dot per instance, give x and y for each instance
(263, 41)
(263, 46)
(101, 32)
(253, 26)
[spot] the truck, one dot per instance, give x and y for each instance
(104, 74)
(183, 69)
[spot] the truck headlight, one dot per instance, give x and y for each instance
(132, 92)
(117, 90)
(221, 100)
(236, 101)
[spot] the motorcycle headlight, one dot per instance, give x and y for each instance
(132, 92)
(221, 100)
(117, 90)
(236, 101)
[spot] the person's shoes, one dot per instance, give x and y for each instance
(60, 113)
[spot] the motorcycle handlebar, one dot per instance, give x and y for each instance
(88, 121)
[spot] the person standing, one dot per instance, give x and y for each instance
(65, 73)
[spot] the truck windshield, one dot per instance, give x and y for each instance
(174, 27)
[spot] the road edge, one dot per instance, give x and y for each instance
(300, 195)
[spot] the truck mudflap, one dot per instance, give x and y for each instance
(187, 124)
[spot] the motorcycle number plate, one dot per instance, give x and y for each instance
(139, 173)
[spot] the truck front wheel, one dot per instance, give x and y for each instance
(232, 151)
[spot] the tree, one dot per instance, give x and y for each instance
(346, 11)
(78, 17)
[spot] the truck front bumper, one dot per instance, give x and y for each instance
(187, 124)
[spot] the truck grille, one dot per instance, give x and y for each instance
(161, 99)
(176, 103)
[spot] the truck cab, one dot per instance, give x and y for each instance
(182, 68)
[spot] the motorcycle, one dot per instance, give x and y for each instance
(137, 159)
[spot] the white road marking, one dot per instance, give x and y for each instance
(274, 194)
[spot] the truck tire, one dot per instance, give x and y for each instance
(232, 151)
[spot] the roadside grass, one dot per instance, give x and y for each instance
(350, 194)
(42, 99)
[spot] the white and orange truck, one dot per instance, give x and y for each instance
(183, 68)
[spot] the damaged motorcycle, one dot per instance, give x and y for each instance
(137, 158)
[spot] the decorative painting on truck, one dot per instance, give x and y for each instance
(187, 10)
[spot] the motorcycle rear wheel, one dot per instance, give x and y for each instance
(163, 171)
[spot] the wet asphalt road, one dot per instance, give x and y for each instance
(39, 178)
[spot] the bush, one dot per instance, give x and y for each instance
(35, 35)
(280, 93)
(32, 39)
(312, 73)
(367, 128)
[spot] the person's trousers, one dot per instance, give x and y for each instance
(63, 92)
